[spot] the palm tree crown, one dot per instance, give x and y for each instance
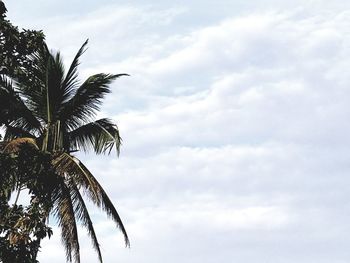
(57, 111)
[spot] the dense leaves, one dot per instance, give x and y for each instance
(56, 114)
(22, 227)
(15, 48)
(16, 45)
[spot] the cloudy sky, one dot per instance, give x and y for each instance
(235, 123)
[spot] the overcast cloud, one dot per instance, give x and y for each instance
(234, 122)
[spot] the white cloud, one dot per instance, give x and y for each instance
(265, 126)
(235, 135)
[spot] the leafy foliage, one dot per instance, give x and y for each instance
(16, 45)
(15, 48)
(56, 114)
(23, 227)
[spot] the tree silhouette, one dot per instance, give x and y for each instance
(54, 112)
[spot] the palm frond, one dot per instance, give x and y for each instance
(71, 80)
(14, 145)
(82, 107)
(43, 89)
(15, 132)
(84, 178)
(64, 212)
(13, 109)
(32, 82)
(105, 203)
(82, 214)
(101, 135)
(55, 91)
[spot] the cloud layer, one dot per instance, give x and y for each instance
(235, 132)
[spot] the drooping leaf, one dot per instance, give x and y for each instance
(101, 136)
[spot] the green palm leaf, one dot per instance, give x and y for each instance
(84, 178)
(14, 110)
(71, 81)
(103, 201)
(101, 135)
(82, 107)
(83, 215)
(64, 212)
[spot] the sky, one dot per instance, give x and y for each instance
(234, 123)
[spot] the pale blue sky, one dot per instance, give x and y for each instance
(234, 121)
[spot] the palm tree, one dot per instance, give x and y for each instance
(55, 111)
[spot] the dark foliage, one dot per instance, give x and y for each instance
(15, 48)
(16, 45)
(23, 227)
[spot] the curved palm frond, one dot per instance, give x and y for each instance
(83, 177)
(55, 91)
(14, 145)
(22, 123)
(104, 202)
(12, 133)
(43, 89)
(83, 215)
(14, 110)
(101, 135)
(82, 107)
(8, 101)
(71, 81)
(32, 87)
(64, 212)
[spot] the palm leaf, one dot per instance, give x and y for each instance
(104, 202)
(84, 178)
(64, 212)
(43, 88)
(83, 215)
(12, 133)
(81, 108)
(101, 135)
(32, 87)
(71, 80)
(14, 145)
(54, 88)
(13, 109)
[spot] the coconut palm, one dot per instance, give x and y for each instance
(57, 111)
